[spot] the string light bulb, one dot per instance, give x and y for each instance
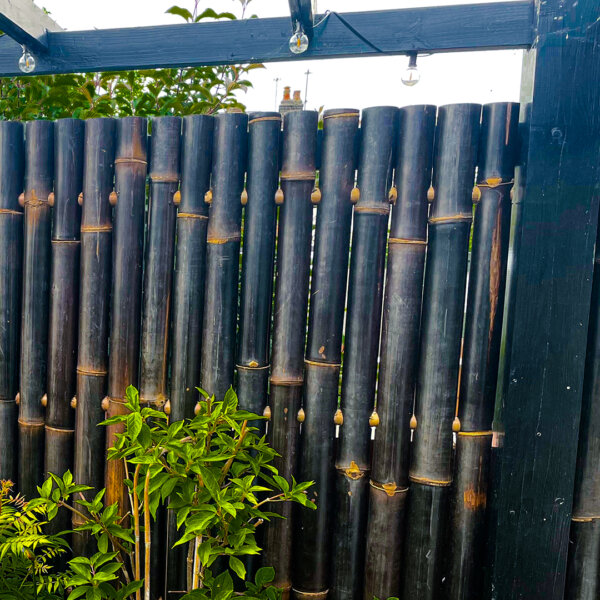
(299, 41)
(27, 61)
(411, 76)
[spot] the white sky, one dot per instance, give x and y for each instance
(350, 83)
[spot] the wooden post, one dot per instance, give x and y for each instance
(548, 302)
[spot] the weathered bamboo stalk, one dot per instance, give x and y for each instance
(583, 570)
(64, 303)
(257, 263)
(126, 296)
(363, 321)
(289, 326)
(190, 264)
(12, 154)
(437, 381)
(256, 296)
(188, 299)
(399, 352)
(158, 276)
(94, 303)
(222, 254)
(158, 265)
(39, 173)
(481, 349)
(313, 529)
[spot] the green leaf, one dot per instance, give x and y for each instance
(264, 575)
(184, 13)
(237, 566)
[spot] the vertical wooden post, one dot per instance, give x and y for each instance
(550, 277)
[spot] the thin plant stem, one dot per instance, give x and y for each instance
(147, 533)
(136, 525)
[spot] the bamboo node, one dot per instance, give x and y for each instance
(338, 418)
(456, 425)
(430, 194)
(208, 197)
(112, 198)
(105, 403)
(315, 197)
(167, 407)
(353, 471)
(74, 402)
(389, 489)
(279, 197)
(354, 195)
(253, 363)
(493, 181)
(267, 413)
(80, 199)
(301, 416)
(374, 419)
(44, 400)
(244, 198)
(51, 198)
(177, 198)
(393, 195)
(21, 199)
(18, 398)
(413, 422)
(476, 196)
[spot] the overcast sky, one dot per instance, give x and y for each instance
(350, 83)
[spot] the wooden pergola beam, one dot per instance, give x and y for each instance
(27, 24)
(376, 33)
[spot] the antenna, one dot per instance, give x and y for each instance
(276, 80)
(308, 74)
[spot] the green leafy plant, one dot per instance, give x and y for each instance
(214, 472)
(142, 93)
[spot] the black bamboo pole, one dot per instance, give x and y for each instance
(399, 351)
(222, 254)
(450, 218)
(313, 529)
(158, 265)
(256, 297)
(39, 171)
(481, 349)
(94, 302)
(365, 291)
(188, 299)
(289, 324)
(583, 567)
(126, 296)
(260, 218)
(12, 156)
(158, 276)
(64, 303)
(190, 263)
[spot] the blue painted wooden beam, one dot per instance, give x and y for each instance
(301, 12)
(434, 29)
(27, 24)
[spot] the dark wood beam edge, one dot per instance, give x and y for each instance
(27, 24)
(434, 29)
(301, 13)
(554, 225)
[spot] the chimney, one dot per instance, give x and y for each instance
(288, 103)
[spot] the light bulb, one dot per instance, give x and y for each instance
(27, 62)
(299, 42)
(411, 76)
